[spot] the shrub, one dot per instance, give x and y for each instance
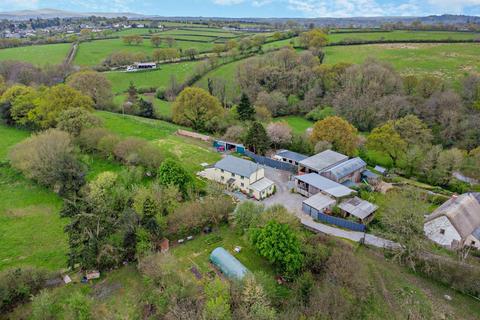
(79, 306)
(160, 93)
(89, 138)
(49, 159)
(320, 113)
(75, 120)
(150, 156)
(18, 285)
(127, 150)
(106, 145)
(43, 307)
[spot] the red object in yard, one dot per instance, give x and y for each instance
(164, 245)
(221, 148)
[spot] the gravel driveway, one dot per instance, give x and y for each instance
(283, 196)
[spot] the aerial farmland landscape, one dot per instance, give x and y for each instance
(222, 160)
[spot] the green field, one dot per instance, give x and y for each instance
(445, 60)
(31, 231)
(189, 151)
(403, 35)
(38, 55)
(155, 78)
(227, 72)
(92, 53)
(200, 32)
(298, 124)
(134, 31)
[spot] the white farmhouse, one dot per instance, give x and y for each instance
(456, 223)
(241, 174)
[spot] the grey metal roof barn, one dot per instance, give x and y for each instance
(323, 160)
(320, 202)
(228, 264)
(262, 184)
(325, 185)
(347, 167)
(238, 166)
(358, 207)
(290, 155)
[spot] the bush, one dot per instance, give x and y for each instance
(127, 150)
(150, 156)
(106, 145)
(160, 93)
(49, 159)
(43, 307)
(75, 120)
(320, 113)
(79, 306)
(18, 285)
(143, 90)
(89, 138)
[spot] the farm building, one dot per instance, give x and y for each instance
(223, 146)
(289, 157)
(321, 162)
(456, 223)
(318, 203)
(241, 174)
(228, 264)
(361, 209)
(312, 183)
(350, 170)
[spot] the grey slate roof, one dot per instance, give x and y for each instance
(325, 185)
(291, 155)
(476, 233)
(238, 166)
(324, 160)
(261, 184)
(347, 167)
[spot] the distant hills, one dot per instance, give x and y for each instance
(327, 21)
(54, 13)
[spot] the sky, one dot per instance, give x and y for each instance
(257, 8)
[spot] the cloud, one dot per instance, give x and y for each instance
(18, 4)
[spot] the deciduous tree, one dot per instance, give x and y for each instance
(341, 134)
(196, 108)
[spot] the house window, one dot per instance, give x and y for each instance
(442, 231)
(473, 243)
(242, 184)
(233, 175)
(222, 170)
(222, 177)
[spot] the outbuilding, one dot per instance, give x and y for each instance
(359, 208)
(312, 183)
(318, 203)
(228, 264)
(289, 157)
(350, 170)
(321, 162)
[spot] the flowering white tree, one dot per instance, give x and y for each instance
(280, 133)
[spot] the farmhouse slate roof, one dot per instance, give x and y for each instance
(238, 166)
(463, 211)
(324, 160)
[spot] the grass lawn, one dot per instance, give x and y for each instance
(403, 35)
(24, 207)
(38, 55)
(155, 78)
(279, 44)
(298, 124)
(94, 52)
(449, 61)
(128, 126)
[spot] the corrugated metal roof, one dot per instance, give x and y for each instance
(325, 185)
(324, 160)
(369, 174)
(346, 168)
(238, 166)
(358, 207)
(262, 184)
(291, 155)
(319, 201)
(476, 233)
